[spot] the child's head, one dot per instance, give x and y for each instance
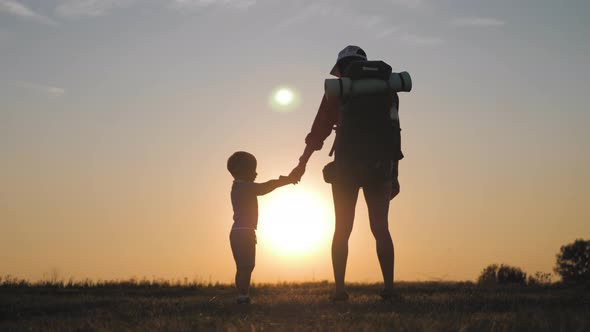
(242, 166)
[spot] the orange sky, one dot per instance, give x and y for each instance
(116, 123)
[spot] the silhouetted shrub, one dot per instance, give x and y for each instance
(511, 275)
(539, 279)
(489, 275)
(573, 262)
(501, 275)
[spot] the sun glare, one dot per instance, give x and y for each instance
(294, 223)
(284, 99)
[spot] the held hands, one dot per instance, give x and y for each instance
(286, 180)
(295, 176)
(297, 172)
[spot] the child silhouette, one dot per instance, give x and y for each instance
(244, 198)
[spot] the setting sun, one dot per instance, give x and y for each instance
(295, 222)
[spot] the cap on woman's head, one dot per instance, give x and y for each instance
(349, 51)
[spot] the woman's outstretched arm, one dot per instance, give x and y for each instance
(325, 119)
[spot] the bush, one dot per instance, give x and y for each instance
(511, 275)
(539, 279)
(573, 262)
(501, 275)
(489, 275)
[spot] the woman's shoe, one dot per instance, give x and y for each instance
(339, 297)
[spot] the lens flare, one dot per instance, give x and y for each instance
(284, 99)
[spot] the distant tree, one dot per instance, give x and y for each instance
(539, 279)
(489, 275)
(573, 262)
(501, 275)
(511, 275)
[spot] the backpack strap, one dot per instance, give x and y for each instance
(335, 128)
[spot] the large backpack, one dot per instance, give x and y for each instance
(369, 130)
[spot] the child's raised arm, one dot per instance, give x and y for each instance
(266, 187)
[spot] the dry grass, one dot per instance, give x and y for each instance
(182, 306)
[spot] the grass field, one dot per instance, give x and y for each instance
(150, 306)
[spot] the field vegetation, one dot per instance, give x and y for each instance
(149, 305)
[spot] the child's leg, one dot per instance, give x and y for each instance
(243, 244)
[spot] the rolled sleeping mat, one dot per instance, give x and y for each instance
(346, 87)
(400, 82)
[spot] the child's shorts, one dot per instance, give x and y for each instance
(243, 247)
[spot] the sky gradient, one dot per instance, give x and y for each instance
(117, 117)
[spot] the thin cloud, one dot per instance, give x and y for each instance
(374, 23)
(54, 91)
(377, 26)
(422, 40)
(412, 4)
(192, 4)
(478, 22)
(89, 8)
(386, 32)
(47, 90)
(310, 11)
(19, 10)
(369, 22)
